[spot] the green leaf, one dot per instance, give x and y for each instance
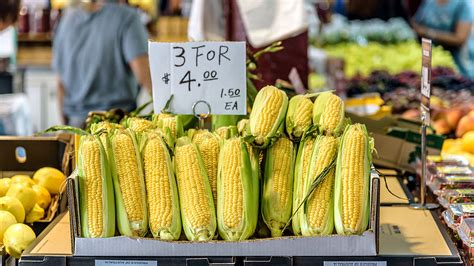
(70, 129)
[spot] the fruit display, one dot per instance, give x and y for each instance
(361, 60)
(341, 30)
(174, 183)
(25, 200)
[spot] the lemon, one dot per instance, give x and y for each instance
(17, 179)
(17, 238)
(25, 194)
(467, 142)
(4, 186)
(14, 206)
(6, 219)
(43, 198)
(50, 178)
(35, 214)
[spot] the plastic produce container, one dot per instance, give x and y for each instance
(451, 196)
(456, 213)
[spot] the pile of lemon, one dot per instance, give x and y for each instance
(23, 200)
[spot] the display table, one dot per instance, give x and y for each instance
(407, 237)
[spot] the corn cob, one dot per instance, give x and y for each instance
(266, 120)
(195, 195)
(328, 114)
(237, 191)
(162, 194)
(278, 185)
(303, 159)
(351, 194)
(129, 183)
(139, 124)
(317, 216)
(219, 121)
(208, 145)
(242, 127)
(299, 116)
(226, 132)
(96, 190)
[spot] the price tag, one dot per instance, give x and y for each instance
(125, 262)
(210, 72)
(355, 263)
(425, 73)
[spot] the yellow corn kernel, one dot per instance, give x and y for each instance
(281, 170)
(306, 157)
(193, 195)
(93, 186)
(158, 186)
(303, 115)
(232, 183)
(128, 176)
(321, 198)
(139, 124)
(352, 175)
(331, 117)
(170, 122)
(209, 148)
(268, 114)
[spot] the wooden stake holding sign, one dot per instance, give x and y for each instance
(203, 77)
(425, 120)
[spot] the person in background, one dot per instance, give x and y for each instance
(8, 13)
(100, 56)
(448, 23)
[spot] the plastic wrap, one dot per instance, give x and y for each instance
(452, 196)
(456, 213)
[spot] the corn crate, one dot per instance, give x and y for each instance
(365, 244)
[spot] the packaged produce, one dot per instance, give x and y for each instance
(456, 213)
(447, 160)
(450, 182)
(440, 171)
(451, 196)
(466, 233)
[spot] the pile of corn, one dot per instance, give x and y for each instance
(294, 167)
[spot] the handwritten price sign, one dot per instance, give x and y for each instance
(213, 72)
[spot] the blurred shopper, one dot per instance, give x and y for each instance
(448, 23)
(259, 23)
(100, 56)
(8, 13)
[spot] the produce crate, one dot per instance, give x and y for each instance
(25, 155)
(121, 246)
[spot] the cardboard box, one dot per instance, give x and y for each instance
(25, 155)
(334, 245)
(397, 141)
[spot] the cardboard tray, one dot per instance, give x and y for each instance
(334, 245)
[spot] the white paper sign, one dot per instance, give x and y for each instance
(212, 72)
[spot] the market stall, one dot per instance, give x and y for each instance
(372, 164)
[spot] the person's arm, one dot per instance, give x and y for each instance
(60, 98)
(454, 39)
(141, 70)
